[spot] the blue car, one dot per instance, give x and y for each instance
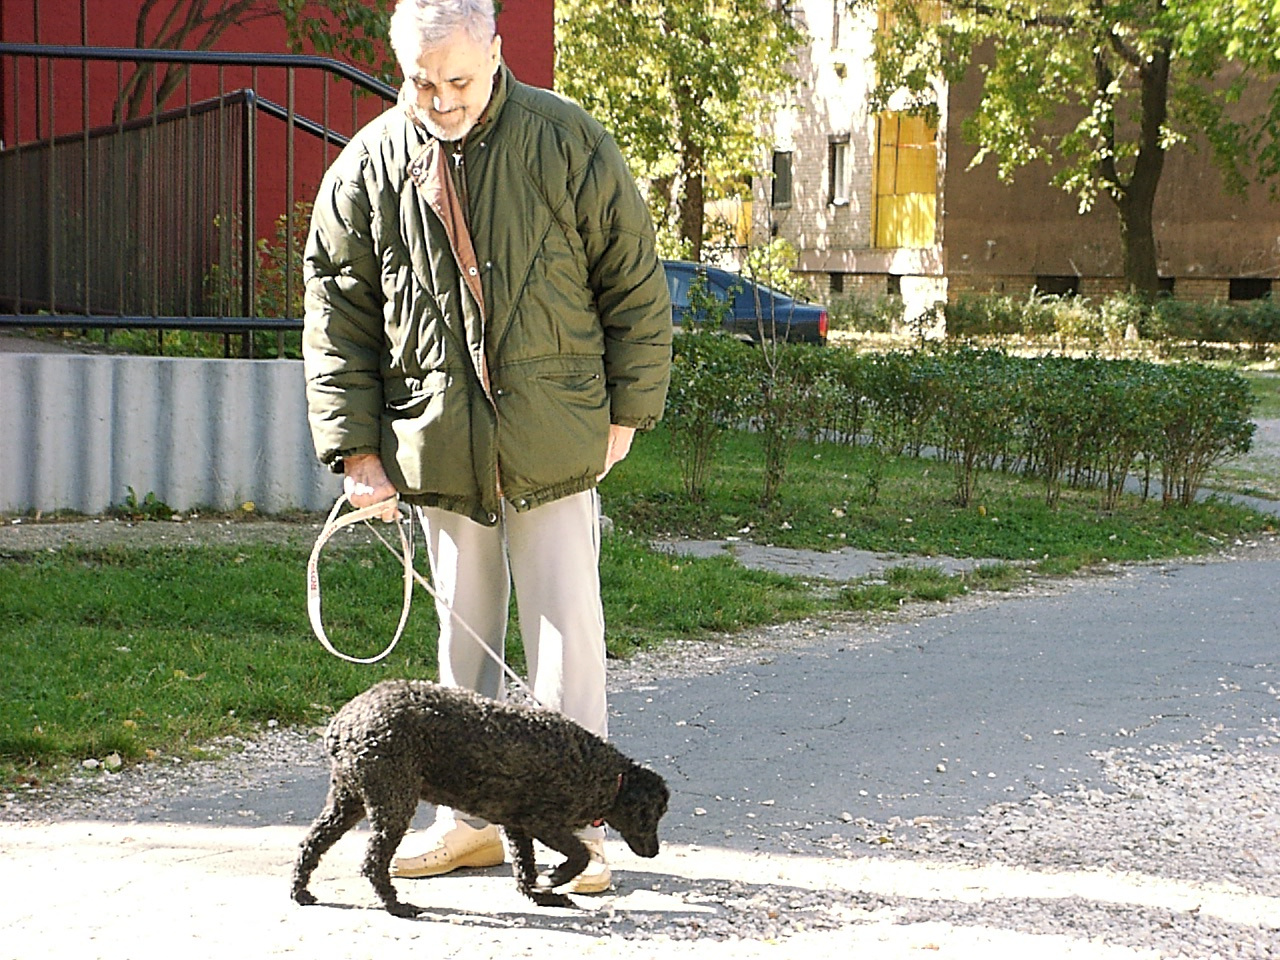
(755, 311)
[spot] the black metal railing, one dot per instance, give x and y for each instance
(154, 223)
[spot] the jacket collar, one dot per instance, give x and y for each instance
(501, 88)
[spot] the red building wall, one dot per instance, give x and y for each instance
(51, 98)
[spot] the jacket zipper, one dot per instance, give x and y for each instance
(464, 197)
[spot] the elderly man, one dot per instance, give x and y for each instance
(487, 325)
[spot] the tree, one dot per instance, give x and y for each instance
(198, 24)
(1100, 90)
(685, 87)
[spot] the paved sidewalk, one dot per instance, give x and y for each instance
(137, 892)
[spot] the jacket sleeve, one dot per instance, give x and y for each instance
(342, 338)
(629, 286)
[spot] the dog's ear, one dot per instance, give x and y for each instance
(641, 781)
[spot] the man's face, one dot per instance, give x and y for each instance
(454, 82)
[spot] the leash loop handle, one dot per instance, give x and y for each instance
(331, 526)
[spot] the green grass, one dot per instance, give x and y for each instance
(838, 496)
(145, 652)
(650, 597)
(160, 651)
(905, 583)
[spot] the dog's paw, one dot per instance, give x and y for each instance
(543, 895)
(304, 897)
(401, 909)
(549, 898)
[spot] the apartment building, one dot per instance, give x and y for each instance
(884, 204)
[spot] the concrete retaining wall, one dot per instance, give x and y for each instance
(78, 431)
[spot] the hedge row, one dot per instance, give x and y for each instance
(1252, 322)
(1090, 423)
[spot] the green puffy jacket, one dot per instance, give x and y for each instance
(491, 363)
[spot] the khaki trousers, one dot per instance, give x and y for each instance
(551, 554)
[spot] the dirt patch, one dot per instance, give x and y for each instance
(27, 535)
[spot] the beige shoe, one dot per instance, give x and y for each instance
(463, 846)
(596, 878)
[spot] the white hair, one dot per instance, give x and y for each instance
(419, 25)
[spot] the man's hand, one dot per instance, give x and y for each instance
(366, 483)
(619, 446)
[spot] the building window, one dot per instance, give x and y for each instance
(837, 170)
(837, 282)
(1248, 288)
(1058, 286)
(905, 212)
(781, 178)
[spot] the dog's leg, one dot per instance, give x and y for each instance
(577, 856)
(342, 811)
(525, 868)
(389, 819)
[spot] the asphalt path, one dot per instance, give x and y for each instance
(992, 702)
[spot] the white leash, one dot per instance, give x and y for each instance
(332, 526)
(335, 523)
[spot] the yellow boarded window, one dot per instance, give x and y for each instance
(906, 182)
(888, 14)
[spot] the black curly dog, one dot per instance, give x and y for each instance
(537, 774)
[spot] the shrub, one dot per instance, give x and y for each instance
(1052, 422)
(976, 396)
(1122, 407)
(1259, 324)
(708, 393)
(780, 404)
(1090, 422)
(864, 313)
(902, 398)
(843, 418)
(984, 315)
(1203, 414)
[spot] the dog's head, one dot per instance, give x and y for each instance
(641, 803)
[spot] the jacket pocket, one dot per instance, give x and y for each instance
(424, 447)
(553, 423)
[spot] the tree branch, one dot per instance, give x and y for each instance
(1012, 16)
(1128, 54)
(1108, 172)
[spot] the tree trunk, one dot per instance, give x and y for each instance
(1138, 242)
(692, 166)
(1137, 200)
(692, 206)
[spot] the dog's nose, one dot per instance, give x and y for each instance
(644, 848)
